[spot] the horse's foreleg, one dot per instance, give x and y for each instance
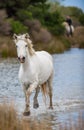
(24, 89)
(28, 93)
(35, 104)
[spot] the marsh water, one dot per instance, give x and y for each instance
(68, 88)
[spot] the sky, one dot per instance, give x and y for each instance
(77, 3)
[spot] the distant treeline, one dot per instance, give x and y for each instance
(38, 17)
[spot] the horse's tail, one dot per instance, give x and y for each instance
(44, 90)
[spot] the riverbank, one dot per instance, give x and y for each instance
(56, 45)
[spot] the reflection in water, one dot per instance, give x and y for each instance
(68, 87)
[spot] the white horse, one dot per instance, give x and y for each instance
(36, 70)
(69, 29)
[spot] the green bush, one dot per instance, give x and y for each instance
(66, 43)
(37, 13)
(54, 23)
(81, 19)
(18, 27)
(56, 29)
(24, 14)
(76, 12)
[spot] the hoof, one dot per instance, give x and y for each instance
(50, 107)
(26, 113)
(36, 106)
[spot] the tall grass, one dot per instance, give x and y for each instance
(7, 47)
(9, 120)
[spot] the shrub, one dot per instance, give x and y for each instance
(3, 15)
(5, 27)
(18, 27)
(37, 13)
(37, 32)
(7, 47)
(43, 36)
(54, 23)
(81, 19)
(66, 43)
(33, 24)
(24, 14)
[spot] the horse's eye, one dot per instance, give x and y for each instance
(26, 46)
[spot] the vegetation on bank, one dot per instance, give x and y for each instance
(8, 49)
(58, 44)
(9, 120)
(42, 20)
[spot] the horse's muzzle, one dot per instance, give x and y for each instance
(21, 59)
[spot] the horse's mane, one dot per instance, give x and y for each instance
(30, 47)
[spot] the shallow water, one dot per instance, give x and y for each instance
(68, 88)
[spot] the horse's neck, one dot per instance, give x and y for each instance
(65, 24)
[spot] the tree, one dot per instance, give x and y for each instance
(53, 21)
(13, 5)
(77, 12)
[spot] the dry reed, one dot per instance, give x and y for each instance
(9, 120)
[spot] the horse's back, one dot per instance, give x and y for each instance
(45, 65)
(44, 57)
(67, 27)
(45, 54)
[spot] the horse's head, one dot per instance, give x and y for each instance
(23, 45)
(65, 24)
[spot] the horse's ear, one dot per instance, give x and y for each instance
(27, 36)
(14, 36)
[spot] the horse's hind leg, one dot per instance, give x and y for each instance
(71, 33)
(35, 104)
(50, 90)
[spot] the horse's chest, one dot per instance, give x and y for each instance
(26, 77)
